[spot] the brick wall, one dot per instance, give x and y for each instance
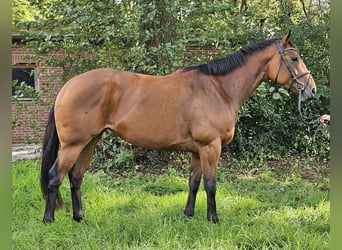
(29, 117)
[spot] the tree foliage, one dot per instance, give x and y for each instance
(154, 36)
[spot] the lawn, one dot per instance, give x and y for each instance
(263, 210)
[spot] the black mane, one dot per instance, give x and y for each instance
(227, 64)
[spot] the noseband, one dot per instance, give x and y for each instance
(295, 78)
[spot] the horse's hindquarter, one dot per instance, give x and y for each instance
(81, 106)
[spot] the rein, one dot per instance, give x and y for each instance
(306, 119)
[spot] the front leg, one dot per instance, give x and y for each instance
(209, 156)
(210, 188)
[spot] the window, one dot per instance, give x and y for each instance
(23, 81)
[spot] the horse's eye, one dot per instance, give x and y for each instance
(294, 59)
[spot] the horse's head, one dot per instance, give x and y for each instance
(288, 69)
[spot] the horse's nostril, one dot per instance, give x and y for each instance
(313, 91)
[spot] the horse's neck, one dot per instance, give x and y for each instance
(241, 83)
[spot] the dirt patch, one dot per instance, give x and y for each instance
(20, 152)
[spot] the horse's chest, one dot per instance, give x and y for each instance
(227, 127)
(228, 135)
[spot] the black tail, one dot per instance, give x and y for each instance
(50, 152)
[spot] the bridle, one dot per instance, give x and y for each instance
(301, 87)
(295, 78)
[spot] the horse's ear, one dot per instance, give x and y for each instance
(286, 38)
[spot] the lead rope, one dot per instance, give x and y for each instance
(307, 120)
(313, 121)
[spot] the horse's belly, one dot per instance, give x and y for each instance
(154, 134)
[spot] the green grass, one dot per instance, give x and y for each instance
(264, 211)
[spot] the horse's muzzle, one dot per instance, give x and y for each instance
(307, 93)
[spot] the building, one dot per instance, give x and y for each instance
(29, 115)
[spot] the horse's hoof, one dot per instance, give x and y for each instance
(48, 220)
(78, 219)
(188, 213)
(213, 218)
(78, 216)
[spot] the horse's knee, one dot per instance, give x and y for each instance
(194, 185)
(210, 186)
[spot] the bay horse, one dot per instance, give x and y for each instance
(194, 109)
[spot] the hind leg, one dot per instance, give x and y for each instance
(76, 176)
(64, 162)
(53, 185)
(194, 182)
